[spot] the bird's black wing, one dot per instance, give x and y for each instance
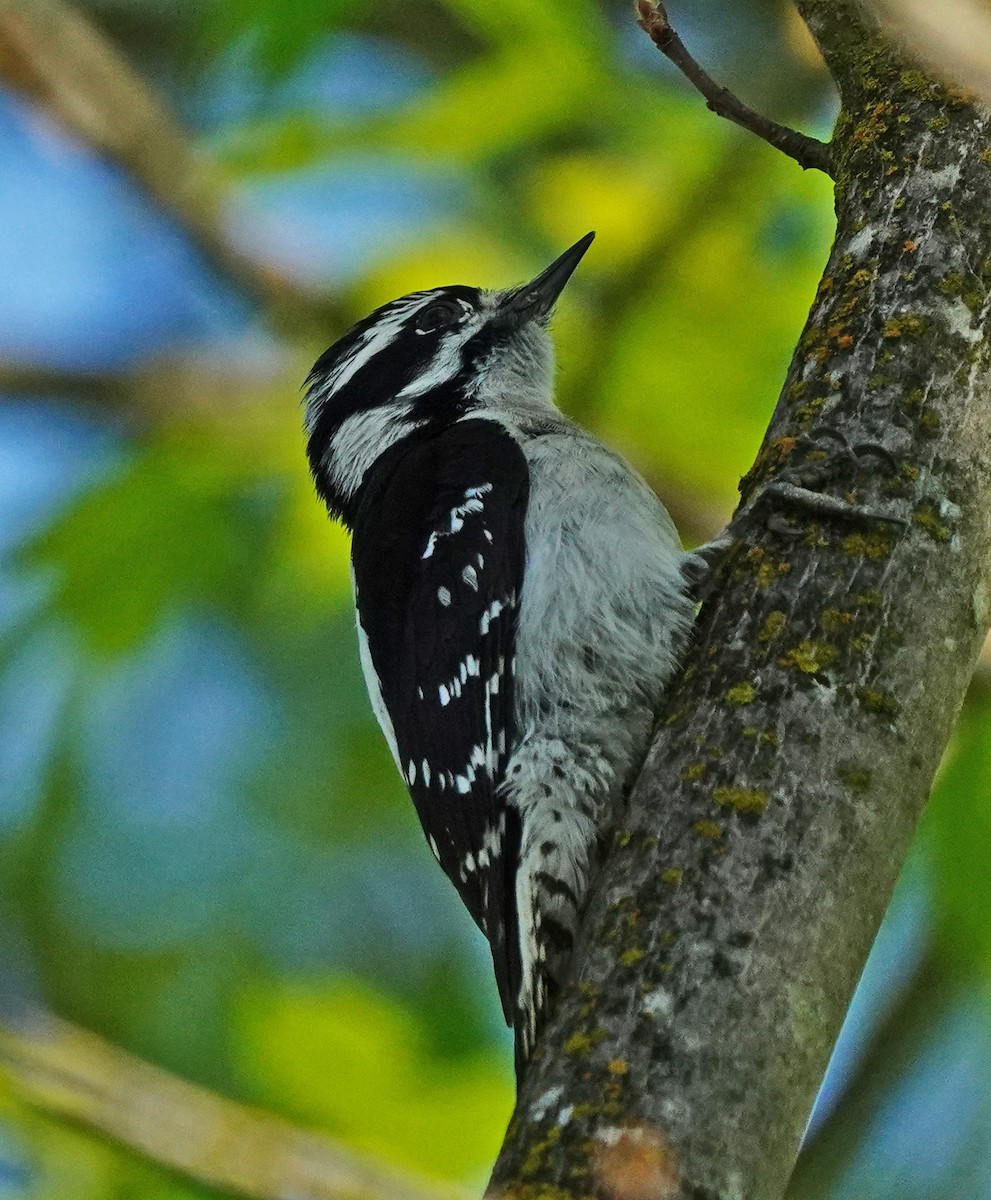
(438, 557)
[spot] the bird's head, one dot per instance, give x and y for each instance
(427, 359)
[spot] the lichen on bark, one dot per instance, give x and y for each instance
(761, 845)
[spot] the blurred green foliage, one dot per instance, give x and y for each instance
(391, 1093)
(210, 860)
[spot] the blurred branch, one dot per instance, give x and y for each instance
(892, 1051)
(51, 53)
(952, 36)
(159, 389)
(67, 1072)
(806, 151)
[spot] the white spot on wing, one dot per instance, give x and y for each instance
(490, 758)
(491, 613)
(494, 835)
(472, 503)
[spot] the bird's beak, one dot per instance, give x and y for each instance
(535, 300)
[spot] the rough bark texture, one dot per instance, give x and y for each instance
(761, 846)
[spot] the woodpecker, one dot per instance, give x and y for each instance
(522, 599)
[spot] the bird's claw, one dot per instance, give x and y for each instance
(800, 486)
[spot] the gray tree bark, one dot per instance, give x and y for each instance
(733, 917)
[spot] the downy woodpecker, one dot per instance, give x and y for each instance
(521, 601)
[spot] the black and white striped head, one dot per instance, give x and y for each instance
(424, 360)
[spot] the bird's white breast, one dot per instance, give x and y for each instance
(602, 584)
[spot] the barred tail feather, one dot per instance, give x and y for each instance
(550, 888)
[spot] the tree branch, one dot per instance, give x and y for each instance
(69, 1073)
(158, 390)
(759, 849)
(806, 151)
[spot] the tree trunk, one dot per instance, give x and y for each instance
(753, 866)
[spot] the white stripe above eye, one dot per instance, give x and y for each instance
(375, 339)
(472, 503)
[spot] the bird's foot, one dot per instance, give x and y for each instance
(800, 486)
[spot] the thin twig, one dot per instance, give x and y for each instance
(67, 1072)
(806, 151)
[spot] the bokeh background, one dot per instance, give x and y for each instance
(205, 854)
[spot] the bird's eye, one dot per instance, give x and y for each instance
(438, 315)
